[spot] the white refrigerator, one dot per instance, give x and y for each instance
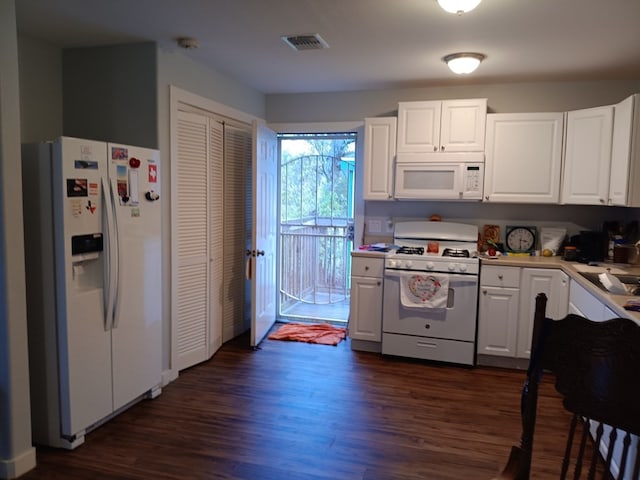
(93, 267)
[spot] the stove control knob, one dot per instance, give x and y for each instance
(430, 265)
(452, 267)
(408, 264)
(391, 263)
(463, 267)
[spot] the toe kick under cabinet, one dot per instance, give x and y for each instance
(506, 307)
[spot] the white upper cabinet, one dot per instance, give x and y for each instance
(624, 184)
(523, 157)
(442, 126)
(588, 156)
(379, 154)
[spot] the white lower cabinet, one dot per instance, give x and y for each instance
(365, 316)
(507, 304)
(498, 311)
(585, 304)
(555, 285)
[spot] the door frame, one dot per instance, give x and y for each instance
(356, 127)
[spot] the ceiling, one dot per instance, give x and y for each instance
(373, 44)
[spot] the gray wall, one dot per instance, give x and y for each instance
(109, 93)
(16, 453)
(41, 90)
(503, 98)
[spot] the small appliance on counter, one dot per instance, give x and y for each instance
(591, 246)
(622, 241)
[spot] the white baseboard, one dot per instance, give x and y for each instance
(14, 467)
(169, 376)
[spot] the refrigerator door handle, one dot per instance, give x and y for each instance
(116, 254)
(111, 257)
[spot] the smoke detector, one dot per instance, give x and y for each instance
(310, 41)
(188, 43)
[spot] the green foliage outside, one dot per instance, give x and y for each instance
(316, 180)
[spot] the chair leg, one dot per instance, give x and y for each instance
(517, 467)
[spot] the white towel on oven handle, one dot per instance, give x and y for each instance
(425, 290)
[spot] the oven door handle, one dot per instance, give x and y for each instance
(453, 277)
(400, 273)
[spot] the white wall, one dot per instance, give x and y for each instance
(16, 453)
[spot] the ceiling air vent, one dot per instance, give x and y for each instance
(311, 41)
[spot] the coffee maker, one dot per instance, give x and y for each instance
(592, 246)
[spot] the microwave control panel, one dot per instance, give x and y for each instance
(473, 179)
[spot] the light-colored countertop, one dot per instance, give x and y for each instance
(614, 302)
(367, 253)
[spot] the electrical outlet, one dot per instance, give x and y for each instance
(375, 226)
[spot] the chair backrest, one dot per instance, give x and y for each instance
(597, 372)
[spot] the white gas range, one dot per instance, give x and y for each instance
(431, 292)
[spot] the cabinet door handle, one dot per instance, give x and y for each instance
(366, 268)
(500, 277)
(379, 283)
(442, 148)
(484, 292)
(435, 148)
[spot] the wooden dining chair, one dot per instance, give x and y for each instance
(596, 366)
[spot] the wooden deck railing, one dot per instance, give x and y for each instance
(315, 264)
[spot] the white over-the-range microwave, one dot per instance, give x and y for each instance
(439, 176)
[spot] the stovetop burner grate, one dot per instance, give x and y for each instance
(455, 252)
(411, 250)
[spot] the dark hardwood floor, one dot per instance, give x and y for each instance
(295, 411)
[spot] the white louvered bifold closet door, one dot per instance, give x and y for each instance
(237, 228)
(210, 184)
(216, 237)
(190, 240)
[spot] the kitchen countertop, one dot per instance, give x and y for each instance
(367, 253)
(614, 302)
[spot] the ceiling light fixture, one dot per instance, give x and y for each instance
(458, 6)
(463, 63)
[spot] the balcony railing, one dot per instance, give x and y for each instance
(315, 269)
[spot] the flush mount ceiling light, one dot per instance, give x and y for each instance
(458, 6)
(463, 63)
